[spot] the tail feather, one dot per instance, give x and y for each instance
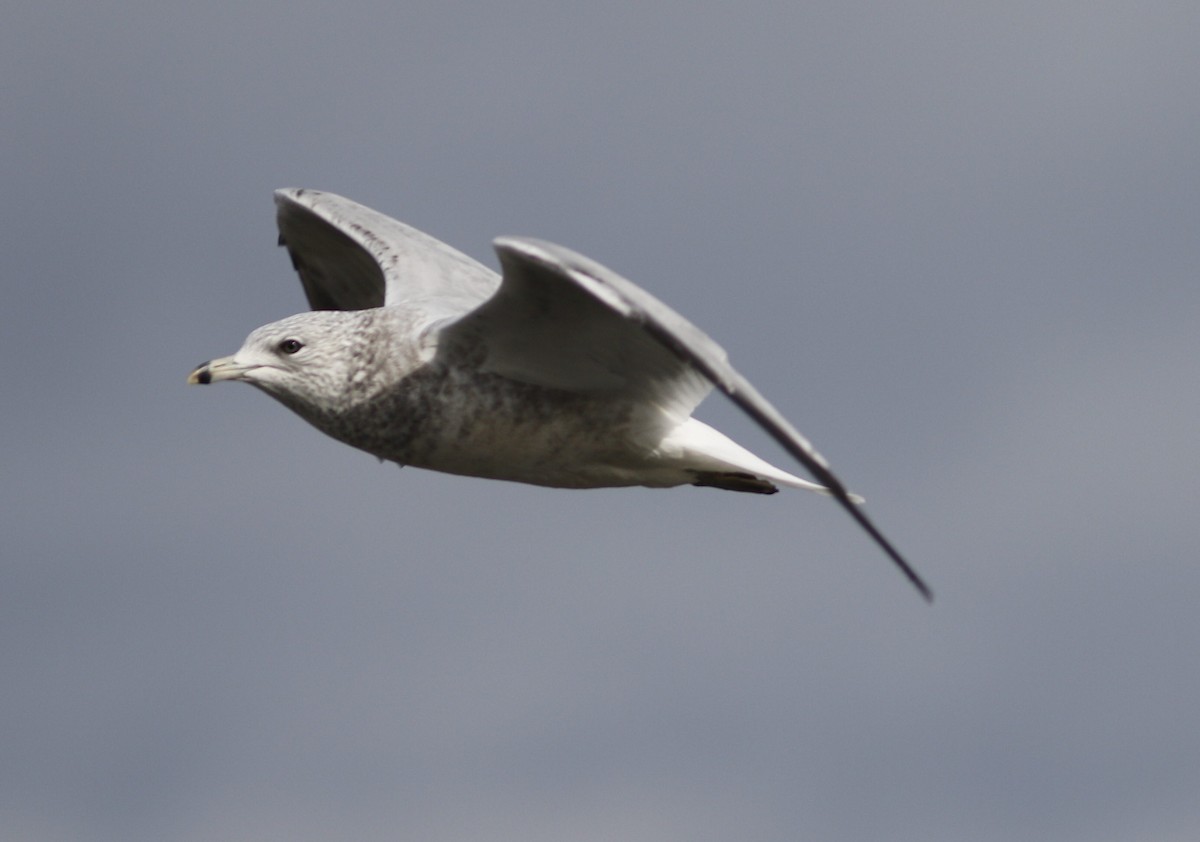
(718, 462)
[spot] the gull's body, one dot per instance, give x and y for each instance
(560, 373)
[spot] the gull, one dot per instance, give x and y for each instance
(559, 372)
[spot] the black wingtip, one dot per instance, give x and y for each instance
(907, 569)
(911, 575)
(922, 588)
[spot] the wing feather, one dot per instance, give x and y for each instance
(561, 321)
(350, 257)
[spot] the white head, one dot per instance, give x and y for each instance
(307, 361)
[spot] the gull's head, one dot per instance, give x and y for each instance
(305, 359)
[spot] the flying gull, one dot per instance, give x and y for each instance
(559, 372)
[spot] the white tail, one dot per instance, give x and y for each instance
(698, 447)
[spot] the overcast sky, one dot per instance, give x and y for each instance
(957, 244)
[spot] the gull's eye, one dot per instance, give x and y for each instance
(290, 346)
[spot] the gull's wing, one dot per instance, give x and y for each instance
(564, 321)
(350, 257)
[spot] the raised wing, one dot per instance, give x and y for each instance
(559, 320)
(350, 257)
(564, 321)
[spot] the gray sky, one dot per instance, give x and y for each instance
(957, 245)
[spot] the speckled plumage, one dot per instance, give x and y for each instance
(415, 404)
(561, 373)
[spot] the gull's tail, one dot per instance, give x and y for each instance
(716, 461)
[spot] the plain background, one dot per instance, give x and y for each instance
(956, 244)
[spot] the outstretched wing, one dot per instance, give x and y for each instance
(563, 321)
(559, 320)
(350, 257)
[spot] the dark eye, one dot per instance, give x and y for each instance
(290, 346)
